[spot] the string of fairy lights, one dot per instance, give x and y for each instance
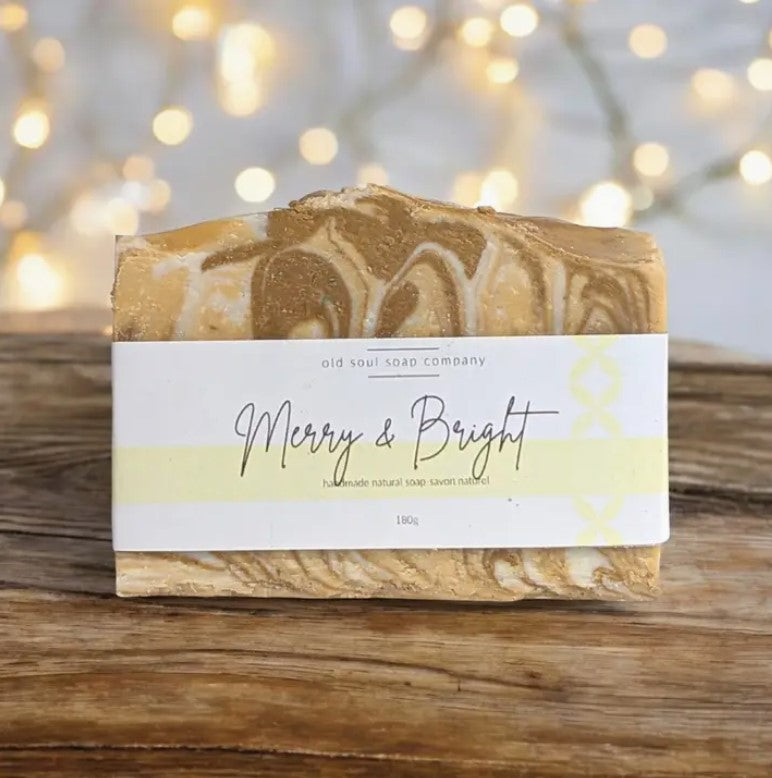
(244, 51)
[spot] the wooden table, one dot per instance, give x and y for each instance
(93, 685)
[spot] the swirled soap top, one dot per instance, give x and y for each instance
(371, 262)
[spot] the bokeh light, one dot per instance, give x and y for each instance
(759, 74)
(519, 20)
(192, 22)
(13, 17)
(88, 215)
(476, 31)
(255, 184)
(240, 98)
(714, 87)
(48, 54)
(318, 145)
(466, 188)
(32, 127)
(172, 125)
(122, 217)
(138, 167)
(502, 70)
(605, 204)
(245, 53)
(647, 41)
(244, 48)
(651, 159)
(499, 189)
(40, 285)
(159, 193)
(756, 167)
(372, 173)
(408, 23)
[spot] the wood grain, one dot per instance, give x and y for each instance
(90, 684)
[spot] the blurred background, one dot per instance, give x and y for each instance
(141, 115)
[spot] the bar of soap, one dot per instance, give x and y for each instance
(373, 263)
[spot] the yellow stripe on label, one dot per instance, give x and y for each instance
(591, 466)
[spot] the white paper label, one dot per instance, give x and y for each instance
(484, 442)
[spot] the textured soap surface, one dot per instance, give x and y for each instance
(371, 262)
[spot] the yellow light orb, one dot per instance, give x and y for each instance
(318, 145)
(408, 22)
(13, 17)
(519, 20)
(87, 215)
(755, 167)
(32, 127)
(749, 2)
(647, 41)
(261, 41)
(13, 214)
(714, 87)
(499, 189)
(372, 173)
(48, 54)
(651, 159)
(172, 125)
(241, 98)
(40, 285)
(605, 204)
(476, 31)
(192, 22)
(255, 184)
(502, 70)
(243, 48)
(122, 217)
(159, 195)
(466, 188)
(138, 167)
(25, 242)
(760, 74)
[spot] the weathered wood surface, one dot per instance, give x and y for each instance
(92, 685)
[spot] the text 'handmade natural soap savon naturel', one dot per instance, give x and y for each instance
(375, 430)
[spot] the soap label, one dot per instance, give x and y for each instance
(480, 442)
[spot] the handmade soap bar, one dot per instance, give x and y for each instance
(374, 263)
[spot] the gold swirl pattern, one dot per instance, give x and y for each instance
(373, 262)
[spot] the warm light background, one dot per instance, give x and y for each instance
(140, 115)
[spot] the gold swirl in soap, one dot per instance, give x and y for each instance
(374, 263)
